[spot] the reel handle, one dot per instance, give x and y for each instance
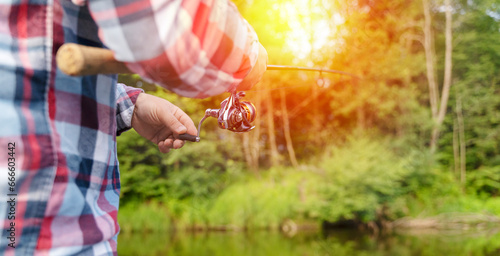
(193, 138)
(189, 137)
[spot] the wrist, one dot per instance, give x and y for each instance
(137, 105)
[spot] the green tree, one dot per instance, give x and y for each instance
(475, 98)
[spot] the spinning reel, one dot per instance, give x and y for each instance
(234, 115)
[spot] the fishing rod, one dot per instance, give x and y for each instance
(234, 114)
(320, 70)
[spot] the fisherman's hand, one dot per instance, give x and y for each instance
(161, 122)
(257, 71)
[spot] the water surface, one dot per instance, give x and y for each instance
(338, 243)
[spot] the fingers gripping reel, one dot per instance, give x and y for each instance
(234, 115)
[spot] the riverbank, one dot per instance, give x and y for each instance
(449, 221)
(156, 216)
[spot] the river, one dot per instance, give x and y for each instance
(336, 242)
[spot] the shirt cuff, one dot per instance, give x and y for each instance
(125, 104)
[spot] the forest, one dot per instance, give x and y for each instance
(410, 131)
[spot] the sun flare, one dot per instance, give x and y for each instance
(311, 26)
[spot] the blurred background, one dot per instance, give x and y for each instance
(403, 159)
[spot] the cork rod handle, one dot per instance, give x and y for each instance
(80, 60)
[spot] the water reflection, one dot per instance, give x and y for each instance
(338, 243)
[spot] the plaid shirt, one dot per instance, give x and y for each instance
(58, 133)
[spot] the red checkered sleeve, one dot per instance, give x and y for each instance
(125, 103)
(191, 47)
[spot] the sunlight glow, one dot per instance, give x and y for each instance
(311, 27)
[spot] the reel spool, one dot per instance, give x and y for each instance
(234, 115)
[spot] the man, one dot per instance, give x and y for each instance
(58, 166)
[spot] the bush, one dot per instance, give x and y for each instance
(359, 177)
(144, 217)
(484, 181)
(257, 203)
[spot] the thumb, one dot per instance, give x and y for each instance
(169, 120)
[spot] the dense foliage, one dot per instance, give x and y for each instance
(354, 148)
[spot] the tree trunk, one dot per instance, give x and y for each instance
(286, 129)
(315, 127)
(360, 112)
(248, 153)
(438, 114)
(255, 134)
(429, 57)
(461, 135)
(274, 154)
(245, 146)
(456, 149)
